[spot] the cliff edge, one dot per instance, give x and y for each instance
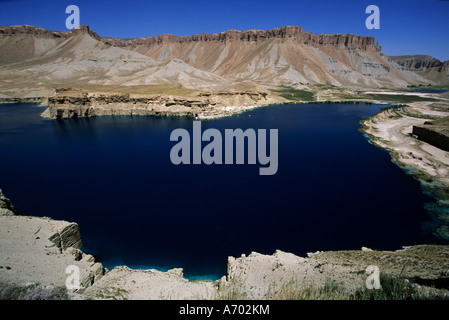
(38, 251)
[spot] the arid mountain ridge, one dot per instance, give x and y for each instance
(292, 32)
(283, 56)
(426, 66)
(286, 32)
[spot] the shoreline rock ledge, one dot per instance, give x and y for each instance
(37, 250)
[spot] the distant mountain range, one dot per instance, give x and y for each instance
(426, 66)
(32, 57)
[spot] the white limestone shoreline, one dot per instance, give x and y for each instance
(391, 129)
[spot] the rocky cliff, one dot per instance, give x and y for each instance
(6, 207)
(69, 104)
(285, 55)
(38, 250)
(426, 66)
(20, 43)
(417, 61)
(44, 33)
(287, 32)
(288, 55)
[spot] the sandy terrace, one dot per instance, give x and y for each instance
(391, 129)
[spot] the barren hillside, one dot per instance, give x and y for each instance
(430, 68)
(286, 55)
(34, 61)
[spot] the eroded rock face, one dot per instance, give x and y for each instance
(6, 207)
(23, 42)
(285, 55)
(38, 250)
(206, 104)
(67, 237)
(260, 275)
(123, 283)
(426, 66)
(417, 61)
(286, 32)
(282, 56)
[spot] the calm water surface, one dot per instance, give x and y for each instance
(113, 176)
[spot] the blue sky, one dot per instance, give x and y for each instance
(406, 27)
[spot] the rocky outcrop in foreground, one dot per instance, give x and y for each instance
(38, 250)
(6, 207)
(261, 276)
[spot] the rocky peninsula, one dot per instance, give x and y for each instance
(70, 103)
(415, 145)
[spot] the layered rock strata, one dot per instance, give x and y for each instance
(203, 105)
(286, 32)
(38, 250)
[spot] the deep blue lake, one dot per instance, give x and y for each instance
(113, 176)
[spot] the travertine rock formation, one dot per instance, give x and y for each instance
(204, 105)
